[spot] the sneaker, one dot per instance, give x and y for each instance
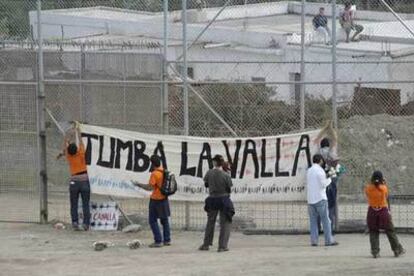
(400, 252)
(332, 243)
(167, 243)
(85, 227)
(314, 244)
(203, 248)
(75, 227)
(375, 255)
(155, 245)
(222, 249)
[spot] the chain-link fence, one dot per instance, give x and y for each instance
(246, 70)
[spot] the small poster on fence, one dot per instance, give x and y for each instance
(104, 216)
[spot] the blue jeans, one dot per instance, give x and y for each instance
(320, 209)
(153, 221)
(82, 188)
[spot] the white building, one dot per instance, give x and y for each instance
(267, 32)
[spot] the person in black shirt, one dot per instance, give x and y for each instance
(320, 23)
(219, 185)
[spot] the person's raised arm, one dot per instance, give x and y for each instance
(333, 135)
(323, 132)
(65, 143)
(78, 134)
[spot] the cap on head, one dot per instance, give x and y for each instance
(377, 177)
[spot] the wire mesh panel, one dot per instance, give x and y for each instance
(19, 193)
(246, 77)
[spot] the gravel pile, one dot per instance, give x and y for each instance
(379, 142)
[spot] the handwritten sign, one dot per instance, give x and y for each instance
(264, 168)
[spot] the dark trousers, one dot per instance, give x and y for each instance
(225, 227)
(381, 219)
(82, 188)
(158, 210)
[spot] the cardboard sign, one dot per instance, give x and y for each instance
(104, 216)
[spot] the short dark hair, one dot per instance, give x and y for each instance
(155, 160)
(325, 143)
(219, 160)
(321, 8)
(317, 158)
(348, 4)
(377, 178)
(72, 148)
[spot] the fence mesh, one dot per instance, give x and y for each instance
(244, 68)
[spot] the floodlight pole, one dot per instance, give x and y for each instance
(41, 126)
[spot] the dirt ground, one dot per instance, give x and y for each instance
(32, 249)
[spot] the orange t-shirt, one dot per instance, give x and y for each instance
(377, 196)
(77, 163)
(156, 180)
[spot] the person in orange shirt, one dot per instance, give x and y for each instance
(379, 217)
(79, 181)
(159, 207)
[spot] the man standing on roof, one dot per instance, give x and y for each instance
(159, 207)
(79, 181)
(320, 23)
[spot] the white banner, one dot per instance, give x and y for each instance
(264, 168)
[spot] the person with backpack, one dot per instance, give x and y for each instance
(159, 207)
(219, 185)
(379, 216)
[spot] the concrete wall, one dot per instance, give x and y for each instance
(314, 72)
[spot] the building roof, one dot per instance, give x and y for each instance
(251, 26)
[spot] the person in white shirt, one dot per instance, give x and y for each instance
(317, 182)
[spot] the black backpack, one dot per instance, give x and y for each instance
(169, 184)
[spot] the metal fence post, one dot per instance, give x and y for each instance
(302, 67)
(41, 126)
(334, 88)
(185, 94)
(184, 67)
(165, 103)
(334, 84)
